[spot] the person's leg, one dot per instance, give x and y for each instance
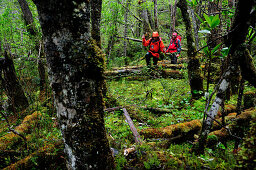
(155, 60)
(172, 58)
(175, 58)
(148, 56)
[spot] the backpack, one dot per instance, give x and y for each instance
(178, 38)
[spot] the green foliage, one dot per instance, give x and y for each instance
(247, 157)
(152, 162)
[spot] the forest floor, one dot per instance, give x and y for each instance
(153, 102)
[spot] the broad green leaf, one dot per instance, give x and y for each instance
(215, 21)
(208, 20)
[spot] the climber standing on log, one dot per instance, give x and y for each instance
(156, 46)
(174, 48)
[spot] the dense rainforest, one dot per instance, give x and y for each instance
(77, 93)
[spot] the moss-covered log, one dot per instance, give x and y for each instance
(184, 130)
(127, 72)
(172, 74)
(222, 135)
(49, 156)
(229, 108)
(249, 99)
(247, 154)
(24, 128)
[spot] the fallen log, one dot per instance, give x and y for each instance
(168, 70)
(249, 99)
(162, 63)
(167, 73)
(24, 128)
(157, 110)
(172, 74)
(45, 156)
(186, 130)
(226, 133)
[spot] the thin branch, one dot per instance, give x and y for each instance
(133, 39)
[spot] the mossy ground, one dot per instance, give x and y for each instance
(171, 94)
(135, 95)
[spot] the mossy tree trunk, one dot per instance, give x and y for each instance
(16, 97)
(96, 6)
(76, 66)
(194, 72)
(244, 17)
(236, 39)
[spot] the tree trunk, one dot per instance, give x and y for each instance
(16, 97)
(138, 24)
(173, 9)
(155, 15)
(34, 36)
(146, 27)
(76, 66)
(125, 31)
(195, 25)
(96, 6)
(150, 20)
(194, 72)
(238, 35)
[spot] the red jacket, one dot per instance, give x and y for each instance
(174, 46)
(155, 47)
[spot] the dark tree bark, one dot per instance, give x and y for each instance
(16, 96)
(76, 66)
(237, 37)
(194, 72)
(34, 35)
(237, 52)
(28, 17)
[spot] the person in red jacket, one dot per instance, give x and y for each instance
(174, 48)
(156, 46)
